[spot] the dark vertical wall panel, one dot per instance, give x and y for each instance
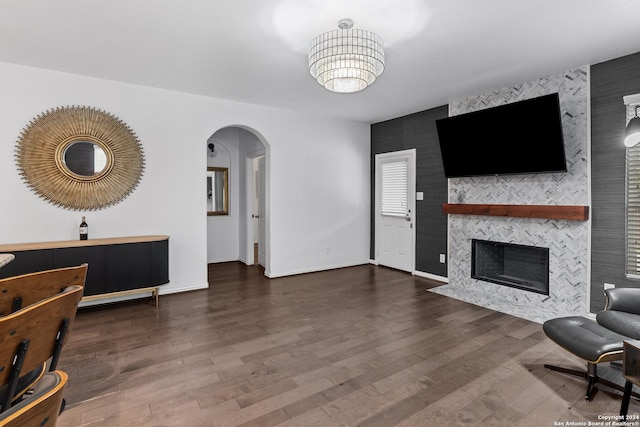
(418, 131)
(610, 81)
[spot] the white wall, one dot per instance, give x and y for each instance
(317, 177)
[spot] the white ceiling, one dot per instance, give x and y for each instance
(255, 51)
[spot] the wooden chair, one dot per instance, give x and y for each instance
(26, 289)
(40, 409)
(20, 291)
(33, 335)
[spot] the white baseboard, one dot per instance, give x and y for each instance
(420, 273)
(183, 289)
(431, 276)
(324, 268)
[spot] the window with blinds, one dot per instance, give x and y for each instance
(395, 182)
(633, 211)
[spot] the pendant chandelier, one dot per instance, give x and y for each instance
(346, 60)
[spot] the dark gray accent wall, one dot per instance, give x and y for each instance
(418, 131)
(610, 81)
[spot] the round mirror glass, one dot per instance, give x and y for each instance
(85, 158)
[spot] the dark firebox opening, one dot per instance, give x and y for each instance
(508, 264)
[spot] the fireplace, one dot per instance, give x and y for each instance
(508, 264)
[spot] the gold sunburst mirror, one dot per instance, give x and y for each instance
(80, 158)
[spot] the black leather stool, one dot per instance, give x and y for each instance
(589, 341)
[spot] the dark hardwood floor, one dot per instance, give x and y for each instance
(361, 346)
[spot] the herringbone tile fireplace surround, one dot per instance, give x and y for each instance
(567, 240)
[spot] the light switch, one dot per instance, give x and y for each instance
(419, 195)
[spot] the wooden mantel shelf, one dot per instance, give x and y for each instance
(575, 213)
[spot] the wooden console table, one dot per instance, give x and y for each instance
(117, 266)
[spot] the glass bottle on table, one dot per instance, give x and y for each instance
(84, 229)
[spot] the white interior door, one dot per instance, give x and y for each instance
(261, 211)
(395, 209)
(255, 214)
(251, 220)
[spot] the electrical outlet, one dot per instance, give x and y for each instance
(609, 286)
(443, 258)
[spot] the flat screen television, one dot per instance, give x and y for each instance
(523, 137)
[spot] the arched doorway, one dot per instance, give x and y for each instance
(235, 237)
